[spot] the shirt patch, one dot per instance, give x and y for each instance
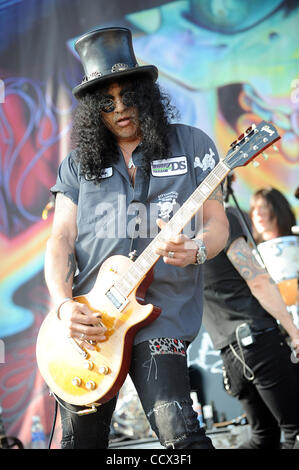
(207, 162)
(166, 204)
(169, 166)
(107, 172)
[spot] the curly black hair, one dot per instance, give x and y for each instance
(95, 145)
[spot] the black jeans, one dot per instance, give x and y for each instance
(159, 372)
(271, 399)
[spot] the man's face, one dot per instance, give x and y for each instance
(123, 120)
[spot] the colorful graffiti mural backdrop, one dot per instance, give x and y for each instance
(226, 63)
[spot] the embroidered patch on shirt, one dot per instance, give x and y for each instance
(169, 166)
(107, 172)
(167, 346)
(207, 162)
(166, 204)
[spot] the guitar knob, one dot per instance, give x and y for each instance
(90, 385)
(88, 365)
(76, 381)
(104, 370)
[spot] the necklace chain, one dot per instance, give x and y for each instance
(130, 163)
(130, 166)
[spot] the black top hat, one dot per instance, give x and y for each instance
(107, 54)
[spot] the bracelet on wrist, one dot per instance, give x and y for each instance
(201, 254)
(63, 301)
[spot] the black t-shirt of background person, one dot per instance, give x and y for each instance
(228, 301)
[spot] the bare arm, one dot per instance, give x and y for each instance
(215, 224)
(60, 261)
(214, 234)
(60, 267)
(261, 285)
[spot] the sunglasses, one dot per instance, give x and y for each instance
(128, 99)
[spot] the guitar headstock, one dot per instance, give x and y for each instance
(250, 144)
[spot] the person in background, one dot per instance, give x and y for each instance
(241, 308)
(271, 215)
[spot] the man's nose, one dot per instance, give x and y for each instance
(119, 105)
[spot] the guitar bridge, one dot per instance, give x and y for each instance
(118, 300)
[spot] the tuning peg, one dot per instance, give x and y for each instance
(256, 164)
(275, 148)
(250, 129)
(265, 156)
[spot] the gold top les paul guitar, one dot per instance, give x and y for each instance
(89, 378)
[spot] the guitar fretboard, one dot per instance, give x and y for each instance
(147, 259)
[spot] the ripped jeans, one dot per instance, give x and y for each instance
(160, 375)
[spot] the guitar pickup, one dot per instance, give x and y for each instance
(117, 299)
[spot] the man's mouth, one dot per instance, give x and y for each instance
(123, 122)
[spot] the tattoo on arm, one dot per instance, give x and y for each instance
(72, 266)
(204, 229)
(217, 195)
(243, 260)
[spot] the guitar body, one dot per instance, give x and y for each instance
(61, 360)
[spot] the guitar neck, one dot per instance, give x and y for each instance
(147, 259)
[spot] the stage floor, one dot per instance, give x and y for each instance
(228, 438)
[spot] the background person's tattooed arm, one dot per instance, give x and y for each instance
(261, 285)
